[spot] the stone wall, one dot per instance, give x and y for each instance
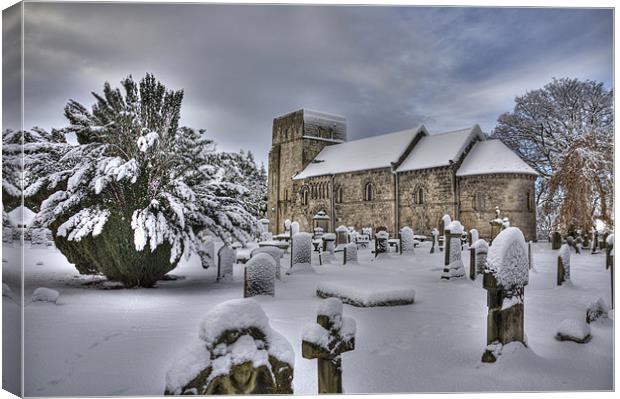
(510, 192)
(437, 185)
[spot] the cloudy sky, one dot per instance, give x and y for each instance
(384, 68)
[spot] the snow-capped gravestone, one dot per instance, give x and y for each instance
(563, 273)
(237, 353)
(259, 276)
(453, 263)
(265, 235)
(342, 236)
(407, 242)
(350, 253)
(556, 240)
(207, 252)
(326, 341)
(477, 258)
(287, 226)
(443, 224)
(226, 258)
(294, 228)
(301, 252)
(435, 234)
(473, 236)
(381, 243)
(329, 246)
(505, 278)
(275, 253)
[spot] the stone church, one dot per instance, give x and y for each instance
(407, 178)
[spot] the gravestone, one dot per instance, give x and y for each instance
(329, 247)
(570, 240)
(274, 252)
(265, 235)
(237, 355)
(594, 240)
(301, 249)
(287, 226)
(473, 236)
(381, 242)
(443, 223)
(453, 263)
(350, 253)
(342, 236)
(609, 262)
(206, 252)
(326, 341)
(259, 276)
(435, 234)
(556, 240)
(407, 242)
(505, 278)
(367, 231)
(478, 258)
(226, 258)
(294, 228)
(563, 273)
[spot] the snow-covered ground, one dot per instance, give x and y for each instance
(97, 340)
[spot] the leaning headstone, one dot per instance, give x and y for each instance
(301, 251)
(407, 242)
(505, 278)
(326, 341)
(453, 263)
(473, 236)
(274, 252)
(237, 353)
(381, 243)
(206, 252)
(226, 258)
(597, 310)
(259, 276)
(563, 273)
(478, 258)
(575, 330)
(556, 240)
(350, 253)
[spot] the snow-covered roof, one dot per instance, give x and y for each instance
(369, 153)
(493, 156)
(21, 215)
(439, 149)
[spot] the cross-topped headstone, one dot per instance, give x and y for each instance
(505, 278)
(326, 341)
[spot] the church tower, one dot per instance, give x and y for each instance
(296, 140)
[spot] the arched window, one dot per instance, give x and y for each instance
(419, 196)
(368, 192)
(304, 196)
(479, 202)
(529, 198)
(338, 198)
(313, 191)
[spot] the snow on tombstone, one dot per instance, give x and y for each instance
(473, 236)
(407, 242)
(329, 247)
(275, 253)
(563, 273)
(294, 228)
(265, 235)
(609, 251)
(350, 253)
(453, 262)
(206, 252)
(342, 236)
(381, 242)
(478, 258)
(301, 253)
(259, 276)
(326, 340)
(435, 234)
(43, 294)
(236, 353)
(226, 258)
(505, 278)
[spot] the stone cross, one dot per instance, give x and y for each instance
(226, 257)
(326, 341)
(505, 278)
(563, 265)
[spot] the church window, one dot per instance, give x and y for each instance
(304, 196)
(339, 191)
(529, 200)
(419, 196)
(368, 192)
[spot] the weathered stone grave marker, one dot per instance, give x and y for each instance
(301, 251)
(226, 258)
(259, 276)
(473, 236)
(477, 258)
(326, 341)
(350, 253)
(274, 252)
(329, 247)
(407, 242)
(435, 234)
(563, 273)
(556, 240)
(381, 242)
(505, 278)
(453, 263)
(238, 353)
(342, 236)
